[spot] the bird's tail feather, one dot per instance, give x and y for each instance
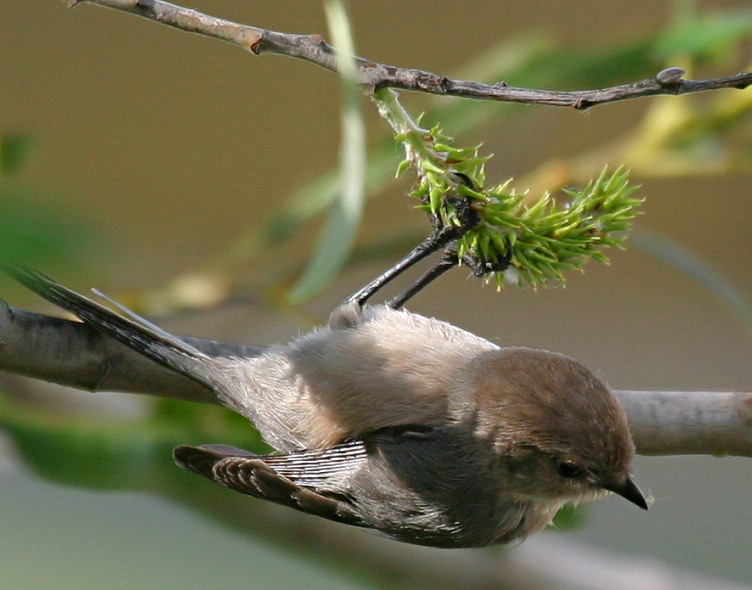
(133, 331)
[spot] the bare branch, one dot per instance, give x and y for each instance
(73, 354)
(373, 75)
(689, 422)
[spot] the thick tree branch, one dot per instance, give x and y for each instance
(373, 75)
(689, 422)
(73, 354)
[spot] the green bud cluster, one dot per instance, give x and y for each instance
(537, 242)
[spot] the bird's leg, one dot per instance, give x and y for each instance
(442, 237)
(433, 243)
(447, 261)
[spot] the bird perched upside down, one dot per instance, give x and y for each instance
(392, 421)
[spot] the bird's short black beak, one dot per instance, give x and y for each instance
(629, 490)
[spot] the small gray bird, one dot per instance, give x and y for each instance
(392, 421)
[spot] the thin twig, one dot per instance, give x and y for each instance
(374, 75)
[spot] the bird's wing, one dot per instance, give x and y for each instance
(304, 480)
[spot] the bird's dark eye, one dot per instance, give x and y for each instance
(569, 470)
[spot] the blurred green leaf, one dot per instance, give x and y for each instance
(704, 36)
(336, 240)
(108, 454)
(32, 230)
(14, 150)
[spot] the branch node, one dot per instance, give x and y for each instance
(582, 104)
(318, 40)
(670, 76)
(256, 46)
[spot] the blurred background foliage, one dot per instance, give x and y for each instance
(190, 182)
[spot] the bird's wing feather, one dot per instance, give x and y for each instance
(303, 480)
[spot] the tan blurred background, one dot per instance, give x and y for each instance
(171, 145)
